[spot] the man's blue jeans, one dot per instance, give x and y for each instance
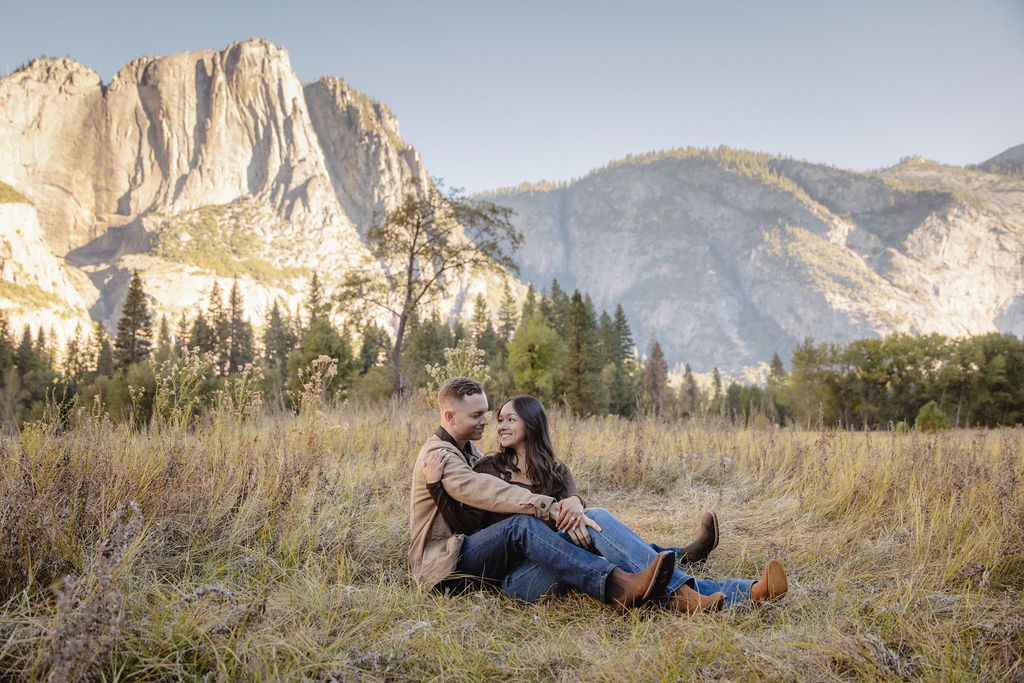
(622, 547)
(492, 553)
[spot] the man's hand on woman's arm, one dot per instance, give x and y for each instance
(433, 465)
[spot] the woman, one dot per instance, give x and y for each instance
(526, 458)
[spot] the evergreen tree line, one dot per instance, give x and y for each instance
(554, 345)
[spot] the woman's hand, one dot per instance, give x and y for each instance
(433, 465)
(570, 513)
(580, 536)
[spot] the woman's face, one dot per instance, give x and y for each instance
(511, 428)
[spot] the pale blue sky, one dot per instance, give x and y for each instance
(493, 94)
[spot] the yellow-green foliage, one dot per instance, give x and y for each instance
(219, 238)
(28, 297)
(8, 195)
(752, 165)
(274, 549)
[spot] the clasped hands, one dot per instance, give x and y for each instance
(568, 513)
(569, 517)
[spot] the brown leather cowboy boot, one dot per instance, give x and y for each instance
(687, 600)
(706, 541)
(624, 590)
(772, 585)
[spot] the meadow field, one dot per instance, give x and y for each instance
(273, 547)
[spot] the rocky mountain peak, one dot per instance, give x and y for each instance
(196, 166)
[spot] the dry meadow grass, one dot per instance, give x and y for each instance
(273, 548)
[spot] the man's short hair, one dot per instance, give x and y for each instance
(455, 388)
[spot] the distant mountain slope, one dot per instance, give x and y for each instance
(1011, 161)
(727, 256)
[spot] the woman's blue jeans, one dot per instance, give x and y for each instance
(622, 547)
(493, 552)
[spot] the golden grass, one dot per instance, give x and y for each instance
(274, 548)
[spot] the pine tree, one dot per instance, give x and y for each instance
(624, 334)
(582, 374)
(203, 336)
(529, 303)
(241, 336)
(608, 338)
(425, 345)
(219, 323)
(370, 348)
(689, 394)
(322, 339)
(76, 363)
(316, 307)
(164, 342)
(104, 353)
(556, 307)
(6, 342)
(776, 371)
(656, 376)
(489, 343)
(135, 329)
(24, 352)
(41, 346)
(278, 338)
(182, 333)
(478, 322)
(508, 321)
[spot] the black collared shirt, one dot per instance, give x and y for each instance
(467, 451)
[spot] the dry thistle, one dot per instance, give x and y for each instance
(88, 619)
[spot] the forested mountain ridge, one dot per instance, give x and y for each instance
(727, 256)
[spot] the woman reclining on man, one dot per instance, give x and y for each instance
(526, 458)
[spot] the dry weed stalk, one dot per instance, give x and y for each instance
(88, 618)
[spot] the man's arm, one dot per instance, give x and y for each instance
(462, 519)
(486, 492)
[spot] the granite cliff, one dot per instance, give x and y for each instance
(727, 256)
(190, 168)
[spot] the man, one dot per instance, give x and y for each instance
(438, 557)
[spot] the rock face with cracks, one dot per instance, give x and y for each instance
(191, 168)
(726, 256)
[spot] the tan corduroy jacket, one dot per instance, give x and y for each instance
(434, 548)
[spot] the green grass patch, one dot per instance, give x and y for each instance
(28, 297)
(8, 195)
(220, 238)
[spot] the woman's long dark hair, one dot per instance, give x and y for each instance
(540, 455)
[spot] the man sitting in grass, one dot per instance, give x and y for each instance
(485, 537)
(443, 559)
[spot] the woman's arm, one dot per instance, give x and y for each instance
(461, 519)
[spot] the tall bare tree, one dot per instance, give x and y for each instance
(428, 238)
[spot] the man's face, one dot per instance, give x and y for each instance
(467, 417)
